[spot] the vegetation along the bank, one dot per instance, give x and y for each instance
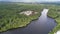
(10, 16)
(54, 12)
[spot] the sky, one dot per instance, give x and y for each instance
(31, 0)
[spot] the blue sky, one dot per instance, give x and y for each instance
(31, 0)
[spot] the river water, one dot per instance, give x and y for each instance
(41, 26)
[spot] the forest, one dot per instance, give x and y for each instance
(10, 17)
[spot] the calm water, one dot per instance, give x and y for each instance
(41, 26)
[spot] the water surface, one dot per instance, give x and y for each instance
(41, 26)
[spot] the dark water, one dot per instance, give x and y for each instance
(41, 26)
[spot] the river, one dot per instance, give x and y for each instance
(41, 26)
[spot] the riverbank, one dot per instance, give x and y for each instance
(10, 17)
(55, 14)
(42, 25)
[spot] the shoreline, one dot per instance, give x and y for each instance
(21, 26)
(55, 29)
(55, 26)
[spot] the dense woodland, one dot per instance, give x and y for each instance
(10, 17)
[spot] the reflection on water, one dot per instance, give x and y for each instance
(43, 15)
(41, 26)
